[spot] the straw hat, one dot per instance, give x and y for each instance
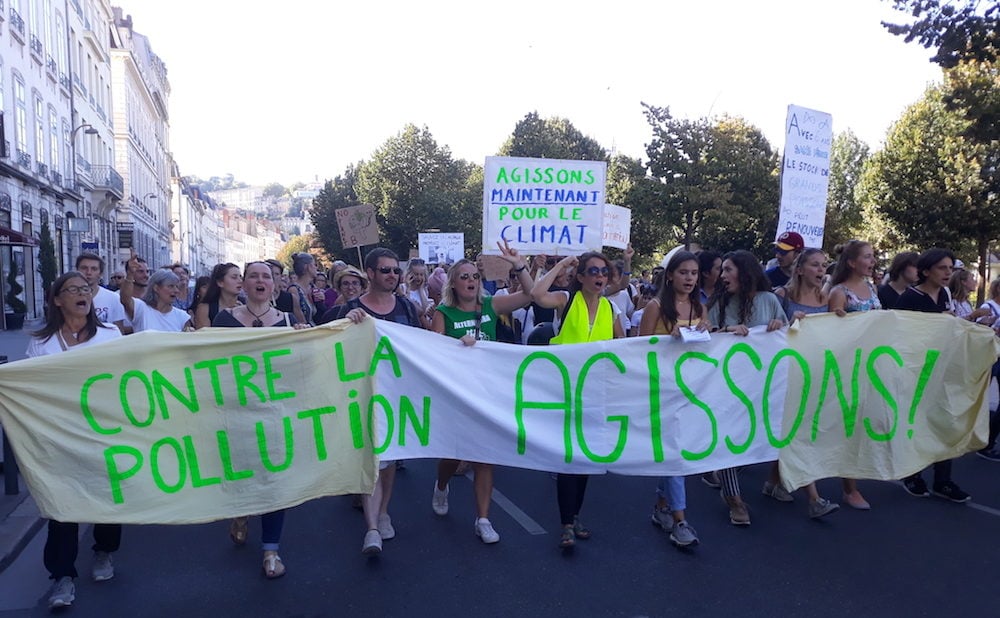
(350, 271)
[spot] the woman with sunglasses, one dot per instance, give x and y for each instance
(258, 282)
(745, 301)
(71, 323)
(584, 315)
(467, 314)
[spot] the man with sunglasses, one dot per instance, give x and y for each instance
(381, 302)
(786, 249)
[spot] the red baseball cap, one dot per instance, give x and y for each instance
(790, 241)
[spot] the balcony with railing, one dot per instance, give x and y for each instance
(42, 169)
(16, 25)
(36, 48)
(106, 178)
(51, 67)
(23, 158)
(64, 81)
(56, 178)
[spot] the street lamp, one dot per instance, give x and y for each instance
(90, 130)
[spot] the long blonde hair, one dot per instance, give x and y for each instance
(448, 291)
(794, 287)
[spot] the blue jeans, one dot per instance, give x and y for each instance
(672, 488)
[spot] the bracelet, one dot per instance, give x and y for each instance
(523, 266)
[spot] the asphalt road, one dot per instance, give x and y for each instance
(907, 556)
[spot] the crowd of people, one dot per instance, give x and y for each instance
(546, 300)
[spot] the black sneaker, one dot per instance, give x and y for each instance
(989, 454)
(915, 486)
(951, 491)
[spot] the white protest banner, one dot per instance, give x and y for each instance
(805, 174)
(358, 226)
(550, 206)
(176, 434)
(441, 248)
(191, 427)
(617, 226)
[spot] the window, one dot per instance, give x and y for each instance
(53, 140)
(39, 130)
(67, 148)
(60, 43)
(21, 114)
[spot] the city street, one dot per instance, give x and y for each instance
(907, 556)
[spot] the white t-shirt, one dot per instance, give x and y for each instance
(108, 306)
(37, 347)
(623, 301)
(147, 318)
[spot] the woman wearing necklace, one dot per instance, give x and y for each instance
(223, 292)
(585, 315)
(257, 313)
(155, 310)
(72, 323)
(675, 307)
(465, 313)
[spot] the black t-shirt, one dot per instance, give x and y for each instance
(402, 313)
(915, 300)
(887, 296)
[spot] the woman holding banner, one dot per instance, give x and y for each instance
(258, 311)
(585, 315)
(745, 301)
(676, 306)
(467, 314)
(72, 323)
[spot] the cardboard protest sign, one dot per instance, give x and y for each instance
(549, 206)
(441, 248)
(494, 267)
(180, 434)
(617, 226)
(805, 174)
(191, 427)
(358, 226)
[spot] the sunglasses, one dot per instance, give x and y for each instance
(467, 276)
(593, 271)
(117, 276)
(385, 270)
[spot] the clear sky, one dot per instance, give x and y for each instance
(294, 90)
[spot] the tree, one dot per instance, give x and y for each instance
(274, 190)
(336, 193)
(295, 244)
(415, 185)
(935, 181)
(844, 213)
(958, 31)
(629, 185)
(551, 138)
(14, 290)
(47, 267)
(720, 182)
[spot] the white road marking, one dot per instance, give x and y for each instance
(525, 520)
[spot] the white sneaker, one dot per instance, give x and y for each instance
(63, 593)
(485, 531)
(440, 500)
(385, 529)
(103, 570)
(372, 544)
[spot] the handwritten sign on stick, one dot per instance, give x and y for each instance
(358, 226)
(617, 226)
(805, 174)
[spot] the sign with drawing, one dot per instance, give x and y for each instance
(358, 226)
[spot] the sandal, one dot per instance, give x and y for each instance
(238, 530)
(580, 531)
(568, 538)
(273, 566)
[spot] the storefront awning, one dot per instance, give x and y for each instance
(10, 237)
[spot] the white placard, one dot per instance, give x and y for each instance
(358, 226)
(805, 174)
(441, 248)
(550, 206)
(617, 226)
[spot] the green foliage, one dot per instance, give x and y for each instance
(844, 213)
(14, 289)
(958, 31)
(719, 181)
(336, 193)
(47, 266)
(416, 185)
(551, 138)
(274, 190)
(295, 244)
(629, 185)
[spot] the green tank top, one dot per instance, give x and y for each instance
(458, 323)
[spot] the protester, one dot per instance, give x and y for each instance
(311, 300)
(675, 307)
(258, 282)
(786, 250)
(350, 283)
(803, 295)
(468, 314)
(414, 287)
(107, 304)
(71, 322)
(200, 289)
(961, 285)
(902, 274)
(223, 293)
(744, 302)
(709, 268)
(155, 310)
(930, 295)
(381, 302)
(183, 278)
(115, 280)
(282, 299)
(585, 315)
